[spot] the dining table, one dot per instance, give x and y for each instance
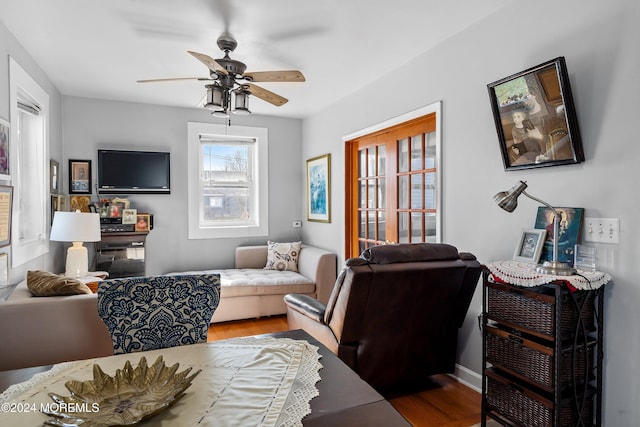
(280, 379)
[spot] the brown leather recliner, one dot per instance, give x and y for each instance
(394, 313)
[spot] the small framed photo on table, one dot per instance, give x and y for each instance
(129, 216)
(142, 222)
(530, 245)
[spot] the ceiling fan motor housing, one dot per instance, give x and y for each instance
(227, 43)
(232, 66)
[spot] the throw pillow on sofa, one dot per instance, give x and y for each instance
(44, 284)
(283, 256)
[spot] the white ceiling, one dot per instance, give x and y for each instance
(99, 48)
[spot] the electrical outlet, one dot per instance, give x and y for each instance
(602, 230)
(296, 224)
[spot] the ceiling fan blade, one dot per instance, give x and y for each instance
(170, 79)
(276, 76)
(211, 63)
(265, 95)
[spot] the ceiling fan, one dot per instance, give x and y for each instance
(229, 76)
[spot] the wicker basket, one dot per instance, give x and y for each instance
(527, 408)
(531, 360)
(535, 309)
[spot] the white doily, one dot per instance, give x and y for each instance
(17, 389)
(524, 274)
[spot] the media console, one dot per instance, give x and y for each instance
(121, 253)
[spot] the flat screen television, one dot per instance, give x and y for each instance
(134, 172)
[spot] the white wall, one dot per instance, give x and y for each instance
(600, 43)
(9, 46)
(90, 124)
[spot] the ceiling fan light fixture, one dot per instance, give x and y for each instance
(221, 114)
(241, 102)
(216, 97)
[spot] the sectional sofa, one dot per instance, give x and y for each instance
(44, 330)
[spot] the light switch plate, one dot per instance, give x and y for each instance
(602, 230)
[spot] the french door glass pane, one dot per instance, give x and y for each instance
(371, 190)
(430, 190)
(430, 222)
(403, 155)
(403, 227)
(416, 227)
(416, 191)
(362, 163)
(381, 193)
(382, 223)
(371, 224)
(372, 162)
(403, 192)
(362, 196)
(361, 224)
(382, 159)
(430, 151)
(416, 152)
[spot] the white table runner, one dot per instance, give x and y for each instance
(244, 381)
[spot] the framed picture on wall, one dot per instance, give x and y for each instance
(54, 176)
(319, 189)
(535, 117)
(79, 176)
(4, 150)
(6, 201)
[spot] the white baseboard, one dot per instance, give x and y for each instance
(468, 377)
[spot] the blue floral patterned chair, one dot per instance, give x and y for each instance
(148, 313)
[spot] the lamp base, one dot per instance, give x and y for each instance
(77, 260)
(556, 268)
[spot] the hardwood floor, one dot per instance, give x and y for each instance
(445, 403)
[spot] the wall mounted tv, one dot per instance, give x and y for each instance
(134, 172)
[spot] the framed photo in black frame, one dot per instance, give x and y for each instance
(79, 176)
(535, 117)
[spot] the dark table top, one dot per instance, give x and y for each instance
(344, 399)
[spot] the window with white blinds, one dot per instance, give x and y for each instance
(28, 154)
(228, 185)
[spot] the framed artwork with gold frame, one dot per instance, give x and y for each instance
(319, 188)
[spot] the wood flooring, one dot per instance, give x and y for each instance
(444, 403)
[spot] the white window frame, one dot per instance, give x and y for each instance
(260, 196)
(23, 86)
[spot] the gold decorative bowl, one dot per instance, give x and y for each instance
(125, 399)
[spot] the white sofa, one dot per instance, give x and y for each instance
(45, 330)
(248, 291)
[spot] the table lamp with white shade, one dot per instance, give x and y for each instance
(76, 227)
